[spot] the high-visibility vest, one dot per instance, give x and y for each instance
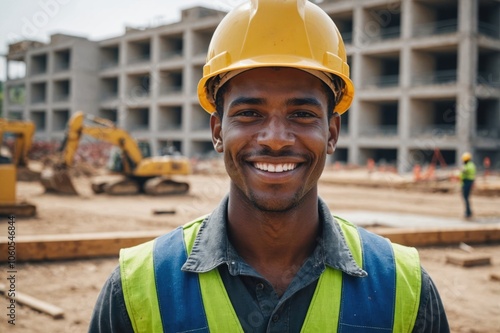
(468, 171)
(159, 297)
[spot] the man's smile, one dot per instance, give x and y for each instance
(275, 167)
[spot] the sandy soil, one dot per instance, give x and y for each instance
(471, 298)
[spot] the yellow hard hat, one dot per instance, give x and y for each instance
(466, 157)
(276, 33)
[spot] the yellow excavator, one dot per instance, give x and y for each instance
(22, 133)
(150, 175)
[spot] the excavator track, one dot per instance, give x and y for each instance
(165, 186)
(122, 187)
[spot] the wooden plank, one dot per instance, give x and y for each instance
(468, 259)
(445, 236)
(91, 245)
(34, 303)
(75, 246)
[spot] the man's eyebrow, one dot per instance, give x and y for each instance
(299, 101)
(246, 101)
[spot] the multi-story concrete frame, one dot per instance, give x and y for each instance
(60, 78)
(427, 74)
(149, 78)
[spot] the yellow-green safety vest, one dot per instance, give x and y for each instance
(160, 297)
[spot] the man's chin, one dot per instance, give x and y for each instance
(274, 205)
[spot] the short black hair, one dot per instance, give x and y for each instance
(219, 100)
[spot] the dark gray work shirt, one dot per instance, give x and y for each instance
(257, 305)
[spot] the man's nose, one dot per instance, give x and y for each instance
(276, 134)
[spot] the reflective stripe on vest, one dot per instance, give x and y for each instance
(386, 301)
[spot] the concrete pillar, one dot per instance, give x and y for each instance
(404, 109)
(7, 76)
(357, 78)
(5, 88)
(154, 87)
(48, 109)
(187, 79)
(50, 92)
(122, 85)
(467, 68)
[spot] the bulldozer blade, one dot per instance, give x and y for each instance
(57, 181)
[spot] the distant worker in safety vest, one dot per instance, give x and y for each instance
(467, 177)
(272, 257)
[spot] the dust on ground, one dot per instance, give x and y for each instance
(471, 298)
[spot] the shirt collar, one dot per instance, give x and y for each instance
(212, 248)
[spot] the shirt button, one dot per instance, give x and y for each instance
(260, 286)
(276, 318)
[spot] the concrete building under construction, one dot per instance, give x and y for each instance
(427, 77)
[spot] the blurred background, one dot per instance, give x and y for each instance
(124, 73)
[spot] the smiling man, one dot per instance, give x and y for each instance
(272, 257)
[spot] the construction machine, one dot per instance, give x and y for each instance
(139, 174)
(22, 133)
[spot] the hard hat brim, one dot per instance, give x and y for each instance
(272, 61)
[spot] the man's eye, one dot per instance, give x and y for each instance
(247, 113)
(303, 114)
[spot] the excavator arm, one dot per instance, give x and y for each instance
(57, 178)
(103, 130)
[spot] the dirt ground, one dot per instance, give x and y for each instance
(471, 298)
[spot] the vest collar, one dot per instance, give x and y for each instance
(212, 248)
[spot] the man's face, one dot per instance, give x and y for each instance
(275, 135)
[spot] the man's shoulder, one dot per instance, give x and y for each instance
(147, 246)
(352, 229)
(344, 222)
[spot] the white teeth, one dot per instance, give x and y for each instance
(275, 167)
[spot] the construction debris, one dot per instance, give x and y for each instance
(34, 303)
(468, 259)
(163, 211)
(464, 247)
(495, 276)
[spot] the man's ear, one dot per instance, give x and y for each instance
(334, 130)
(216, 126)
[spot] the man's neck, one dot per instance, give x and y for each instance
(276, 244)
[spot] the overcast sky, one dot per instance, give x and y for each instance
(94, 19)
